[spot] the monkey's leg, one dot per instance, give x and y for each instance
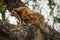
(21, 22)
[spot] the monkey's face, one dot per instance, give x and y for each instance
(17, 12)
(20, 9)
(14, 12)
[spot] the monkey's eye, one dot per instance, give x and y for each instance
(17, 11)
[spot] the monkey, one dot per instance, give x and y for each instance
(25, 16)
(21, 12)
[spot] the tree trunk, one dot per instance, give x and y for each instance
(3, 16)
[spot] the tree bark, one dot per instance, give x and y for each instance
(32, 32)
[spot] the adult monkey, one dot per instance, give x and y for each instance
(27, 16)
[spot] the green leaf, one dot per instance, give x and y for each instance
(56, 20)
(51, 13)
(2, 7)
(34, 0)
(33, 7)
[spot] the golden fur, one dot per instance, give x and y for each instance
(25, 15)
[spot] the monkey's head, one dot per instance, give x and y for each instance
(15, 12)
(19, 11)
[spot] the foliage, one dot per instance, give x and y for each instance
(2, 7)
(34, 0)
(56, 20)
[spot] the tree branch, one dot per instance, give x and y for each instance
(32, 32)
